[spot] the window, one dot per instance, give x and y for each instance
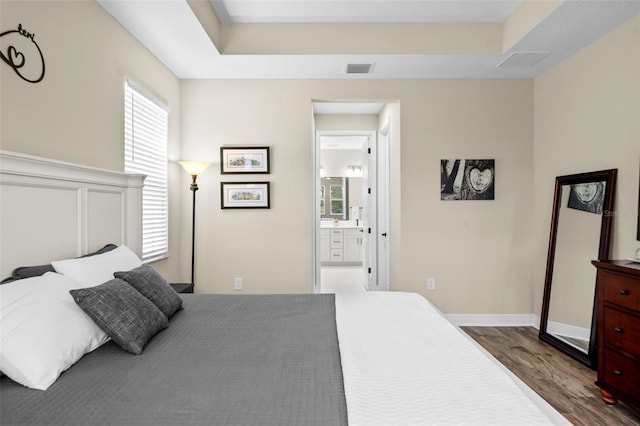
(337, 199)
(145, 152)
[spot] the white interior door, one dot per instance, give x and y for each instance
(384, 273)
(369, 214)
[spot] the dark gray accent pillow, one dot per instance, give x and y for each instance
(31, 271)
(128, 317)
(36, 271)
(151, 285)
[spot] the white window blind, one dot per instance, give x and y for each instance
(145, 152)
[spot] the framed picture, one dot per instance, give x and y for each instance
(587, 197)
(237, 160)
(244, 195)
(467, 179)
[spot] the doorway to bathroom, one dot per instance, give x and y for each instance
(354, 150)
(346, 210)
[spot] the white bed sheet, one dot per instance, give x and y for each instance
(403, 363)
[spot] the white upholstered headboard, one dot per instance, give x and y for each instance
(52, 210)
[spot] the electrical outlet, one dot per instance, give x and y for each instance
(431, 283)
(237, 283)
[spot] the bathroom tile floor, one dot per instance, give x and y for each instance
(341, 278)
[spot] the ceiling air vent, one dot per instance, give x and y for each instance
(522, 59)
(359, 68)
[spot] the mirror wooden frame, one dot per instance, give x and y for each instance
(609, 177)
(638, 231)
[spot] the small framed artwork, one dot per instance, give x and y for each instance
(588, 197)
(237, 160)
(245, 195)
(467, 179)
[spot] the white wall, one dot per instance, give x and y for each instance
(336, 161)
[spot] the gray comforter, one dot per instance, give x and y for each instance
(224, 360)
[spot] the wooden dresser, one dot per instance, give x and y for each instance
(618, 301)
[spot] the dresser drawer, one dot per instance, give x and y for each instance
(621, 290)
(621, 373)
(337, 241)
(337, 255)
(618, 331)
(622, 330)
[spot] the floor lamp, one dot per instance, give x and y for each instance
(195, 169)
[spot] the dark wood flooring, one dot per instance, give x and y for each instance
(564, 383)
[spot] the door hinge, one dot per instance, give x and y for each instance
(369, 270)
(369, 230)
(368, 150)
(369, 190)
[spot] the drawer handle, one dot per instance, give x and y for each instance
(618, 330)
(624, 292)
(617, 372)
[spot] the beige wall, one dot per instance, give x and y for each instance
(76, 113)
(528, 15)
(587, 118)
(346, 122)
(272, 249)
(582, 115)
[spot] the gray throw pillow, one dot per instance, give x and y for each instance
(152, 286)
(128, 317)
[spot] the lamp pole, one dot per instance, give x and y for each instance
(194, 168)
(194, 188)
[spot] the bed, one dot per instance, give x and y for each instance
(350, 358)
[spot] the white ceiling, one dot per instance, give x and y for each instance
(171, 30)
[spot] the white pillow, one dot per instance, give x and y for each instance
(42, 330)
(94, 270)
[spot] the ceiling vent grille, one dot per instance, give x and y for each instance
(359, 68)
(522, 59)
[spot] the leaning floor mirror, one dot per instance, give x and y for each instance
(580, 232)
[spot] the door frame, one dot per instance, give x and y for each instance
(384, 193)
(372, 135)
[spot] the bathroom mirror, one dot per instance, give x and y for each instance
(338, 196)
(334, 197)
(580, 232)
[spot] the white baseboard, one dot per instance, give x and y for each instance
(517, 320)
(494, 320)
(559, 329)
